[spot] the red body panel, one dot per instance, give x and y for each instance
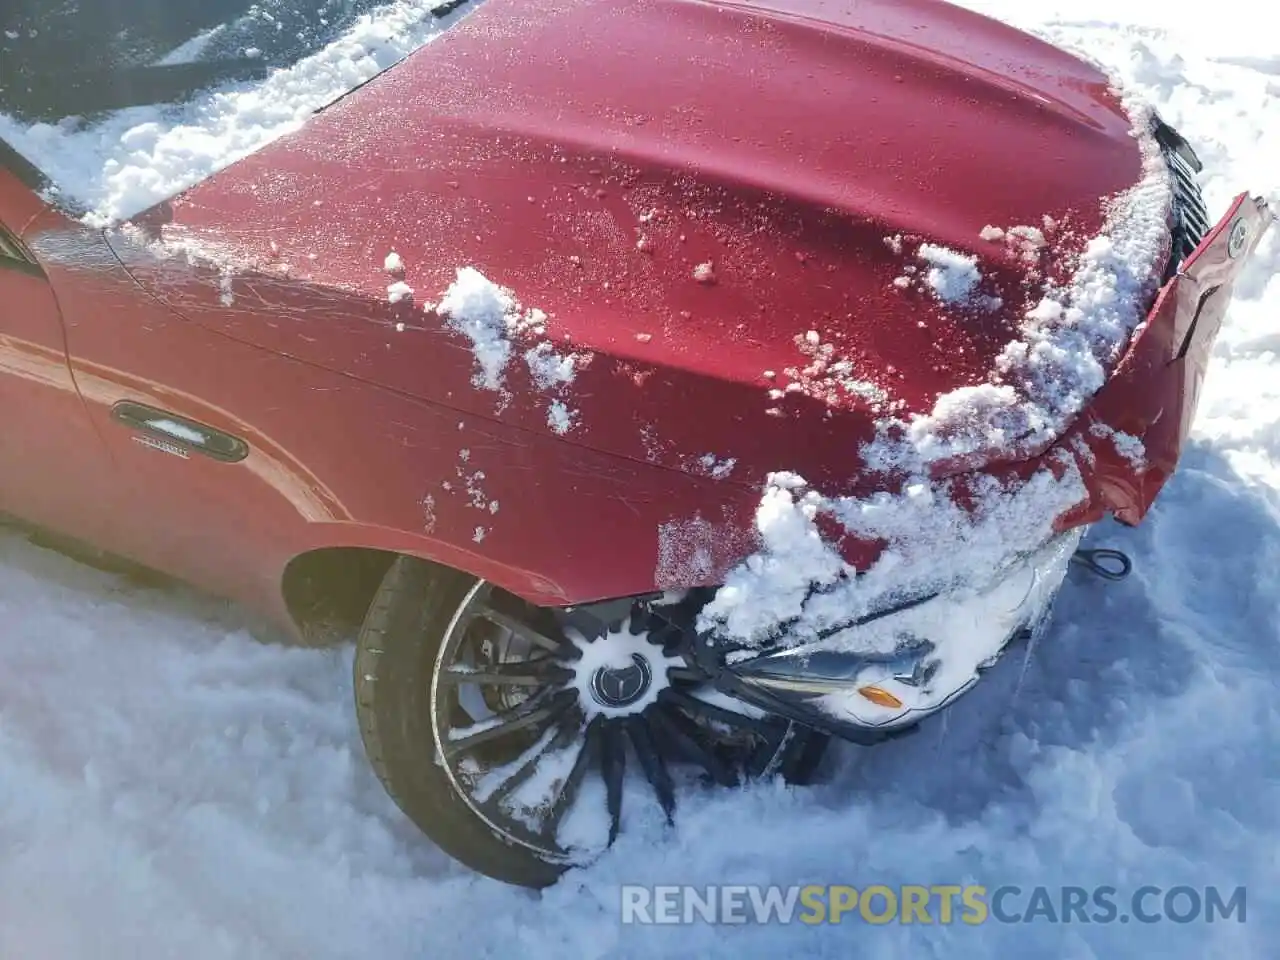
(338, 462)
(48, 450)
(541, 142)
(783, 147)
(1154, 391)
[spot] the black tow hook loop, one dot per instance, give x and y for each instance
(1110, 565)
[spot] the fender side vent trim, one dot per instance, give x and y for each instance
(184, 432)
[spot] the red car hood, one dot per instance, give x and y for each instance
(589, 155)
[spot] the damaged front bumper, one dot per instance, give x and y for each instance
(939, 645)
(887, 672)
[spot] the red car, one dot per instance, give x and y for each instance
(657, 387)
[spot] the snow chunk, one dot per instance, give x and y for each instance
(399, 291)
(709, 465)
(560, 418)
(798, 580)
(952, 276)
(1066, 343)
(1127, 445)
(720, 469)
(705, 272)
(1031, 237)
(483, 312)
(491, 317)
(393, 264)
(827, 376)
(1026, 241)
(1131, 448)
(548, 368)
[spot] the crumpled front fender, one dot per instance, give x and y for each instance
(1128, 440)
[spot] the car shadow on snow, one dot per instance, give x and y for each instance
(1200, 597)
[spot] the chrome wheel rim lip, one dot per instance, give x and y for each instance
(449, 646)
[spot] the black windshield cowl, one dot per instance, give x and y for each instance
(76, 63)
(86, 92)
(60, 59)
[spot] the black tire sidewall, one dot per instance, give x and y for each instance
(396, 653)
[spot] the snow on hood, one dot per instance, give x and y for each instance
(1068, 344)
(132, 159)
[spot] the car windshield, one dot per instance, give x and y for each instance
(122, 103)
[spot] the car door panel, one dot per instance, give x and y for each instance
(51, 458)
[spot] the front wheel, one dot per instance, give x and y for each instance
(512, 734)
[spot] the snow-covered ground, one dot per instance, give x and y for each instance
(170, 787)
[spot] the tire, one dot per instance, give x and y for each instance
(425, 657)
(395, 655)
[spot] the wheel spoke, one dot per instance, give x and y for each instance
(518, 626)
(710, 711)
(679, 627)
(773, 750)
(569, 789)
(652, 763)
(533, 714)
(613, 765)
(685, 738)
(563, 740)
(662, 613)
(803, 760)
(523, 673)
(687, 674)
